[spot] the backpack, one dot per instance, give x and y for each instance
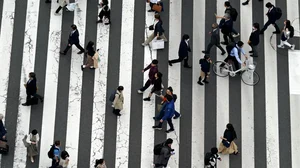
(233, 14)
(230, 46)
(207, 158)
(291, 29)
(112, 96)
(64, 155)
(278, 13)
(51, 151)
(157, 148)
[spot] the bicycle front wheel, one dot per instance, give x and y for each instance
(250, 78)
(219, 70)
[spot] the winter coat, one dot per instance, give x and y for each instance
(119, 101)
(164, 156)
(169, 110)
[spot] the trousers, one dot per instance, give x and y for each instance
(76, 44)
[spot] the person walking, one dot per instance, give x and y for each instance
(3, 131)
(31, 143)
(165, 151)
(169, 113)
(92, 57)
(62, 3)
(100, 163)
(211, 158)
(254, 40)
(214, 40)
(287, 33)
(272, 17)
(247, 2)
(183, 52)
(205, 69)
(64, 159)
(153, 69)
(226, 28)
(233, 14)
(118, 101)
(31, 91)
(157, 86)
(104, 13)
(73, 39)
(227, 145)
(158, 31)
(55, 152)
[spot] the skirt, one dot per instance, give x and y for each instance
(232, 148)
(32, 150)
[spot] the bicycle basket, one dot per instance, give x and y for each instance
(251, 66)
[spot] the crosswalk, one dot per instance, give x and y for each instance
(76, 110)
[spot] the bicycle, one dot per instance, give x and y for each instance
(247, 73)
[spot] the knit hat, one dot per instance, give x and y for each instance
(155, 61)
(169, 141)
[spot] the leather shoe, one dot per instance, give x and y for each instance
(24, 104)
(170, 63)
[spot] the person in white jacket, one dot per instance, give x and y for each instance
(31, 142)
(62, 3)
(287, 33)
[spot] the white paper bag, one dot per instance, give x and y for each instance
(72, 6)
(158, 44)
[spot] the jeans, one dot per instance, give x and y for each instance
(162, 112)
(169, 122)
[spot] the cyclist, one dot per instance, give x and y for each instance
(233, 50)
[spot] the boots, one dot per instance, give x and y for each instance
(199, 81)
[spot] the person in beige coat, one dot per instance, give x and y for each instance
(92, 57)
(62, 3)
(118, 101)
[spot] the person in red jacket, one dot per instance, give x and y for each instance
(153, 69)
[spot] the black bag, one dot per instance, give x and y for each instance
(151, 27)
(230, 46)
(4, 148)
(207, 158)
(157, 148)
(112, 96)
(278, 13)
(51, 152)
(33, 100)
(233, 14)
(226, 143)
(291, 29)
(64, 155)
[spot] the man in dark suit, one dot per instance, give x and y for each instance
(73, 39)
(214, 40)
(226, 25)
(31, 89)
(272, 17)
(254, 39)
(183, 52)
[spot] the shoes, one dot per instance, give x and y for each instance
(169, 130)
(82, 67)
(250, 51)
(107, 23)
(224, 43)
(236, 35)
(156, 127)
(139, 91)
(31, 159)
(62, 53)
(42, 99)
(200, 83)
(143, 44)
(176, 117)
(24, 104)
(170, 63)
(99, 21)
(280, 46)
(293, 47)
(150, 10)
(187, 66)
(276, 32)
(245, 3)
(80, 52)
(223, 53)
(205, 81)
(147, 99)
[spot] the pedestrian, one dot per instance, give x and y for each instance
(92, 57)
(214, 39)
(226, 28)
(183, 52)
(168, 114)
(162, 105)
(162, 153)
(211, 158)
(287, 33)
(100, 163)
(31, 143)
(62, 3)
(158, 31)
(64, 159)
(73, 39)
(104, 13)
(54, 153)
(254, 40)
(118, 101)
(205, 69)
(247, 2)
(232, 12)
(3, 131)
(157, 86)
(31, 91)
(273, 15)
(227, 145)
(153, 69)
(233, 50)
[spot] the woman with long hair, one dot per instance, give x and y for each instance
(227, 146)
(287, 33)
(92, 57)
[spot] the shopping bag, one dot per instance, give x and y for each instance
(156, 8)
(158, 44)
(71, 6)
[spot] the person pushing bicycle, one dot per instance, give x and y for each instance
(233, 50)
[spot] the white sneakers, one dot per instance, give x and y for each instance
(282, 46)
(236, 35)
(139, 91)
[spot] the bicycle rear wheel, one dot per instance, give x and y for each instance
(220, 71)
(250, 78)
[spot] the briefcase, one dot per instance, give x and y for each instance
(156, 8)
(4, 148)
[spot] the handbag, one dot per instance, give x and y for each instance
(156, 8)
(24, 141)
(151, 27)
(158, 44)
(226, 143)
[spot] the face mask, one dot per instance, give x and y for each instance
(187, 40)
(253, 28)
